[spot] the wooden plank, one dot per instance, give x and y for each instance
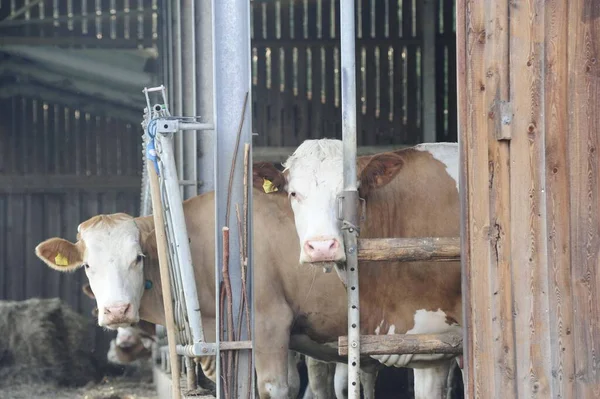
(400, 344)
(474, 181)
(413, 85)
(4, 266)
(441, 249)
(528, 229)
(583, 165)
(495, 91)
(301, 108)
(316, 106)
(428, 63)
(20, 184)
(33, 222)
(560, 295)
(15, 251)
(369, 130)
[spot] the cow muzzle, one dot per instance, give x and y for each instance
(322, 250)
(119, 315)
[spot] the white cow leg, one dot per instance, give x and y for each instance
(341, 380)
(320, 379)
(367, 379)
(431, 382)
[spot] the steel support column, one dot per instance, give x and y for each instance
(350, 194)
(232, 72)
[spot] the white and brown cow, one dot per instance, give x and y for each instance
(293, 309)
(411, 192)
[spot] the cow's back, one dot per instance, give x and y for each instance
(421, 201)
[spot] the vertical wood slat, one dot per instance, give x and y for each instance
(495, 90)
(4, 273)
(527, 202)
(474, 210)
(560, 296)
(552, 166)
(584, 172)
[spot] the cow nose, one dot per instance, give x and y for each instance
(117, 313)
(322, 250)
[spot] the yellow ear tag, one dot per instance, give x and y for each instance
(269, 187)
(61, 260)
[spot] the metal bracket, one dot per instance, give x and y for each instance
(341, 198)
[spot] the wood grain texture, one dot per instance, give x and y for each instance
(473, 123)
(527, 201)
(400, 344)
(409, 249)
(557, 201)
(583, 146)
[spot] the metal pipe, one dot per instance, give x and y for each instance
(180, 236)
(189, 150)
(232, 74)
(350, 194)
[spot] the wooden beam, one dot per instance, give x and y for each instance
(401, 344)
(235, 345)
(441, 249)
(47, 184)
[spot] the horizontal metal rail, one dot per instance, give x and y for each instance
(439, 249)
(401, 344)
(210, 349)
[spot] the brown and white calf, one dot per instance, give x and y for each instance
(411, 192)
(293, 309)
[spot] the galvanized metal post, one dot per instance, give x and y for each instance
(187, 143)
(204, 94)
(232, 72)
(350, 194)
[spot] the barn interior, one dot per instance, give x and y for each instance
(71, 80)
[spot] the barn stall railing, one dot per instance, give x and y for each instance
(438, 249)
(185, 334)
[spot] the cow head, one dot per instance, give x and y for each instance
(129, 345)
(313, 179)
(109, 248)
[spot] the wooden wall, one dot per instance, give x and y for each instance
(296, 62)
(529, 132)
(59, 167)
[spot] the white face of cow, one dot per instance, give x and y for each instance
(314, 175)
(110, 251)
(113, 263)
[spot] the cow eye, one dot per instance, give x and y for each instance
(293, 194)
(139, 258)
(86, 265)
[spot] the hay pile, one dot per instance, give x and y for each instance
(45, 341)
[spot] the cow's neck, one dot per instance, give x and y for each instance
(151, 306)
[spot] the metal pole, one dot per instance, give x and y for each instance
(189, 140)
(204, 94)
(180, 236)
(232, 72)
(350, 194)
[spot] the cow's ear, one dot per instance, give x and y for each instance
(87, 290)
(266, 177)
(379, 171)
(60, 254)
